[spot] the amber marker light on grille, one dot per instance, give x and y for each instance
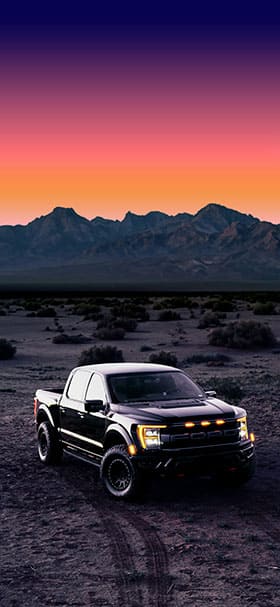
(252, 437)
(205, 423)
(189, 425)
(220, 422)
(132, 449)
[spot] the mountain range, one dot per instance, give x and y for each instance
(216, 245)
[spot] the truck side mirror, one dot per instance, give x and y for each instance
(92, 406)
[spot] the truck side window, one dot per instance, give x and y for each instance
(96, 389)
(78, 384)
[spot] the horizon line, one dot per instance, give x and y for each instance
(71, 208)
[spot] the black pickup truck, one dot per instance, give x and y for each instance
(131, 418)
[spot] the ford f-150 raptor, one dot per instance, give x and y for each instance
(131, 418)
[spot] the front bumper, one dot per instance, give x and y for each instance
(203, 460)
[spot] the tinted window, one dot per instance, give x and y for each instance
(78, 385)
(96, 389)
(169, 385)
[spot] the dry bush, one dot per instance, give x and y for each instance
(46, 313)
(7, 350)
(262, 308)
(178, 301)
(90, 311)
(129, 309)
(243, 334)
(63, 338)
(110, 333)
(166, 315)
(101, 354)
(226, 388)
(209, 319)
(212, 358)
(164, 358)
(218, 304)
(128, 324)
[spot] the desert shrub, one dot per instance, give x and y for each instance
(146, 348)
(3, 313)
(267, 307)
(243, 334)
(129, 309)
(90, 311)
(209, 319)
(46, 313)
(168, 315)
(178, 301)
(7, 350)
(218, 304)
(101, 354)
(128, 324)
(164, 358)
(223, 305)
(214, 357)
(63, 338)
(226, 388)
(110, 333)
(32, 306)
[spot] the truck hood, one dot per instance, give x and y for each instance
(172, 411)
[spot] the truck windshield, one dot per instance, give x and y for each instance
(161, 386)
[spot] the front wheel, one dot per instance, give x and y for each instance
(240, 475)
(119, 475)
(49, 448)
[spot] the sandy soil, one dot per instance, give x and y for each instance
(187, 542)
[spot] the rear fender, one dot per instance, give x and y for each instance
(44, 414)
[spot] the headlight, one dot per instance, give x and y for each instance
(243, 430)
(149, 436)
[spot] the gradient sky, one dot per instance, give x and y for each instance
(108, 110)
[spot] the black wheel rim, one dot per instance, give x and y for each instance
(43, 445)
(119, 475)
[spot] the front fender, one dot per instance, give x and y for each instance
(115, 429)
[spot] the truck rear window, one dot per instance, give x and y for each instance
(78, 384)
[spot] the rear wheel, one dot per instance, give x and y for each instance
(49, 448)
(119, 475)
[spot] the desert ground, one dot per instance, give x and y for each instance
(187, 541)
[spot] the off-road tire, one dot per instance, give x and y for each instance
(118, 473)
(49, 448)
(240, 476)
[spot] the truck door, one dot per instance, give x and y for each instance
(72, 409)
(95, 423)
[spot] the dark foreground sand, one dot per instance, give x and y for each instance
(187, 542)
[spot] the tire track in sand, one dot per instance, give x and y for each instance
(123, 527)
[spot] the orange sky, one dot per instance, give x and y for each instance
(110, 192)
(123, 136)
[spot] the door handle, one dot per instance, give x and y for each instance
(81, 415)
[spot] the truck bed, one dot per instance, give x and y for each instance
(49, 397)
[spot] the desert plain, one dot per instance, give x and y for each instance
(186, 541)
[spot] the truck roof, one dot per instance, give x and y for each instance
(117, 368)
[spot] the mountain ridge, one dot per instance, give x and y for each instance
(213, 243)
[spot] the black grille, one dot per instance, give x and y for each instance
(179, 437)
